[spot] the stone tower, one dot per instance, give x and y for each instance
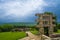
(47, 21)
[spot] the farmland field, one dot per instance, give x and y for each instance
(11, 35)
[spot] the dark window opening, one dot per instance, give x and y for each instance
(53, 22)
(54, 17)
(37, 23)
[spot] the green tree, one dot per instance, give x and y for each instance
(49, 13)
(58, 25)
(6, 27)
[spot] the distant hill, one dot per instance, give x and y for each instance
(22, 23)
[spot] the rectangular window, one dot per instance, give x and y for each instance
(53, 22)
(45, 22)
(46, 17)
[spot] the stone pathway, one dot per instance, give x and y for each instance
(34, 37)
(30, 37)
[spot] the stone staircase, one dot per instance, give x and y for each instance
(46, 37)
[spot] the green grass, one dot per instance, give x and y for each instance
(34, 32)
(11, 35)
(58, 31)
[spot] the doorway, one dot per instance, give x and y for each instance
(46, 31)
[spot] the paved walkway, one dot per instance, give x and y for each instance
(30, 37)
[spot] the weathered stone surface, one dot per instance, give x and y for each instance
(49, 19)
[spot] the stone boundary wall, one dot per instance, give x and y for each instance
(55, 38)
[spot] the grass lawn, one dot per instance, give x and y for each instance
(58, 32)
(34, 32)
(11, 35)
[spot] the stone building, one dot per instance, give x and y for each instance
(46, 23)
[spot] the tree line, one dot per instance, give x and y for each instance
(9, 27)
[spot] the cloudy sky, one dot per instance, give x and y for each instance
(25, 10)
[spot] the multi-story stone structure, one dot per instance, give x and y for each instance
(46, 23)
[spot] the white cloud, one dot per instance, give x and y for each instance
(21, 8)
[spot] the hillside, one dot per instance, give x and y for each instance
(21, 23)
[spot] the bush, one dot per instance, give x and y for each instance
(6, 27)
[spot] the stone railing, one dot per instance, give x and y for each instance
(55, 38)
(46, 37)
